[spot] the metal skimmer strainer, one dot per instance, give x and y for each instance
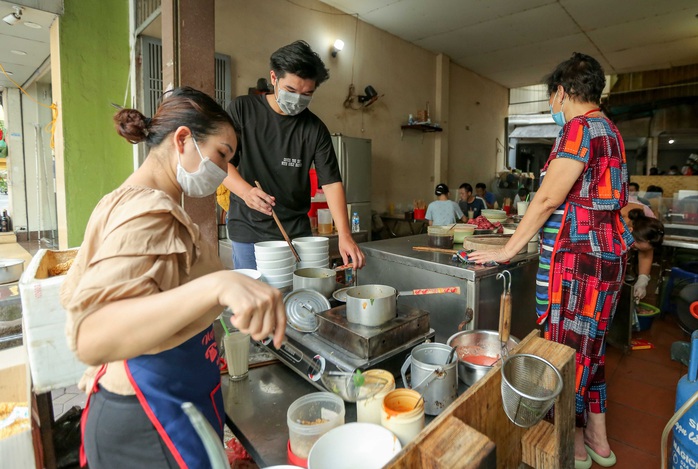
(530, 385)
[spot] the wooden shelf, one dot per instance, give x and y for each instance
(422, 127)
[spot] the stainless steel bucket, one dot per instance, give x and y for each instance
(431, 376)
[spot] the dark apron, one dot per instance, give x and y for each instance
(163, 381)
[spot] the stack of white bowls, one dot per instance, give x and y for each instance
(276, 263)
(314, 251)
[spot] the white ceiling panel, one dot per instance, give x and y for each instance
(516, 42)
(34, 41)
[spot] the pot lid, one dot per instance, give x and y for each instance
(302, 306)
(341, 294)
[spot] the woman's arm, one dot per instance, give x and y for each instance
(561, 175)
(131, 327)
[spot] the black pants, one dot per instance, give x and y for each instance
(119, 435)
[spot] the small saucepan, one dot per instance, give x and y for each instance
(374, 305)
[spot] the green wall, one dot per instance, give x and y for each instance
(94, 58)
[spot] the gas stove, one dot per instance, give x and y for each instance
(338, 345)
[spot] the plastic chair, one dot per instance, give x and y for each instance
(681, 276)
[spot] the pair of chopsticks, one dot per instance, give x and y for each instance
(281, 228)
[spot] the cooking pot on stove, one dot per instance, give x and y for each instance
(375, 305)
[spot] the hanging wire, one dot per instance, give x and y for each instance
(51, 126)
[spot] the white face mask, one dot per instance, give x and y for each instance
(292, 103)
(204, 181)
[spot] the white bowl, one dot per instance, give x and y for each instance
(351, 445)
(271, 246)
(274, 255)
(277, 272)
(311, 240)
(277, 278)
(323, 264)
(255, 274)
(313, 257)
(312, 249)
(289, 261)
(280, 285)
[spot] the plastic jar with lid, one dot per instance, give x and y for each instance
(369, 410)
(403, 414)
(310, 417)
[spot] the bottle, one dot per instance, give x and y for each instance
(9, 220)
(3, 222)
(355, 223)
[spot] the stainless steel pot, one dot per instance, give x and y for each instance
(371, 305)
(433, 375)
(314, 278)
(479, 343)
(374, 305)
(11, 270)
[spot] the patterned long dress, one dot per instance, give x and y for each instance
(583, 253)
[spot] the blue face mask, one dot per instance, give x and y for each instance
(558, 117)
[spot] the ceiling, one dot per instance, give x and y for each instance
(20, 37)
(512, 42)
(518, 42)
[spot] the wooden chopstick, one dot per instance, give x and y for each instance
(281, 228)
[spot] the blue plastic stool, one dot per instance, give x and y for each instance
(677, 273)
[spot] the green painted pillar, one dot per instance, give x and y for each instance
(90, 66)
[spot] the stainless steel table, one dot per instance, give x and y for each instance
(256, 409)
(393, 262)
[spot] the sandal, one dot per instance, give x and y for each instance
(600, 460)
(583, 464)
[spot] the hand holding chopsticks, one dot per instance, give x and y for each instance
(281, 228)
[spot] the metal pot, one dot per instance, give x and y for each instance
(374, 305)
(11, 270)
(314, 278)
(433, 375)
(484, 343)
(371, 305)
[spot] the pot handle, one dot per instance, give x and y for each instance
(404, 368)
(425, 382)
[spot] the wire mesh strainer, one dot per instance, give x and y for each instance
(530, 385)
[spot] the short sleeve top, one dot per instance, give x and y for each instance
(138, 242)
(592, 221)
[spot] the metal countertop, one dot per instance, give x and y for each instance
(400, 250)
(256, 407)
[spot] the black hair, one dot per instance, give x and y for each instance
(467, 187)
(481, 185)
(523, 192)
(646, 229)
(635, 185)
(183, 106)
(441, 189)
(581, 76)
(299, 59)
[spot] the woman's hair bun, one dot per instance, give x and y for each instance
(132, 125)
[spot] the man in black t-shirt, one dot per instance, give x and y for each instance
(280, 139)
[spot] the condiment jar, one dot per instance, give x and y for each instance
(403, 414)
(369, 410)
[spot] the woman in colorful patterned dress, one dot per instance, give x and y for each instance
(584, 241)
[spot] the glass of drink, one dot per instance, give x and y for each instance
(237, 354)
(324, 221)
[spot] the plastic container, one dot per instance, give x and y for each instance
(440, 237)
(420, 213)
(462, 231)
(403, 414)
(310, 417)
(645, 316)
(369, 410)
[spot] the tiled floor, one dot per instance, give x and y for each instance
(641, 393)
